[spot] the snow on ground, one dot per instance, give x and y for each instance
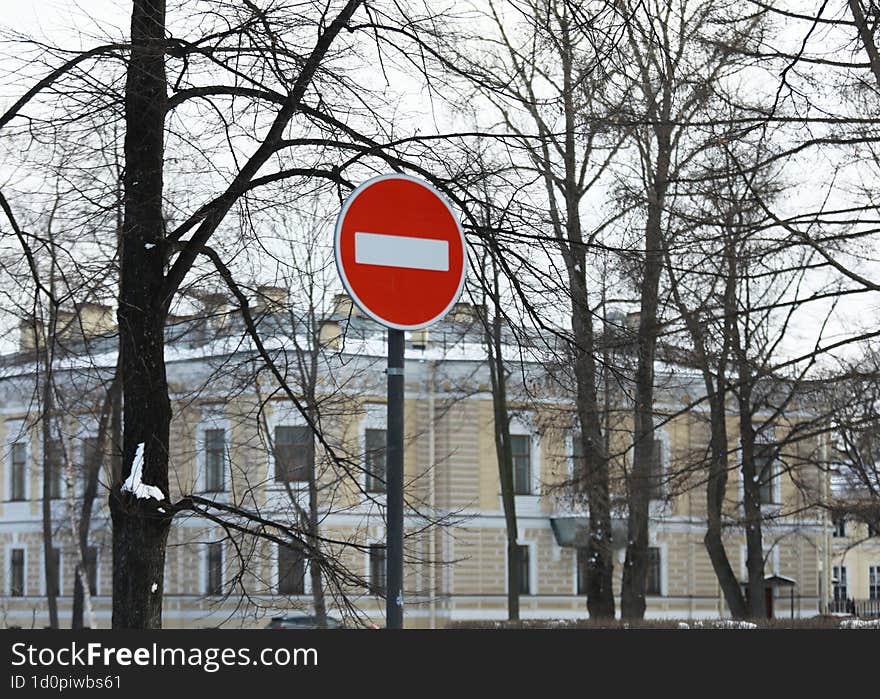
(134, 485)
(860, 624)
(724, 624)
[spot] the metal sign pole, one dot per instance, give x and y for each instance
(394, 484)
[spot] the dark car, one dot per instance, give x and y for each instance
(303, 621)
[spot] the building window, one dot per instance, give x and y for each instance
(765, 473)
(521, 449)
(215, 460)
(375, 443)
(214, 581)
(291, 570)
(377, 569)
(874, 528)
(294, 449)
(54, 465)
(655, 476)
(581, 563)
(840, 589)
(838, 522)
(16, 573)
(19, 471)
(525, 583)
(874, 582)
(53, 585)
(653, 578)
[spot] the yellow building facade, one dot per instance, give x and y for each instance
(232, 421)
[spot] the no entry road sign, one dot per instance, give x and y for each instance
(400, 252)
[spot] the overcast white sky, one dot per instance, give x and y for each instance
(79, 23)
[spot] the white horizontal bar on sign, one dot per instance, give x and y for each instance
(401, 251)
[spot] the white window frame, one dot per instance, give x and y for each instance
(876, 571)
(378, 540)
(284, 414)
(79, 462)
(307, 578)
(840, 566)
(205, 571)
(522, 426)
(7, 572)
(574, 581)
(661, 434)
(212, 420)
(664, 585)
(533, 568)
(15, 434)
(375, 418)
(87, 428)
(62, 481)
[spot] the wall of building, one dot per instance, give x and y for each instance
(451, 471)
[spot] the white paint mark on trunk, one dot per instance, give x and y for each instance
(134, 485)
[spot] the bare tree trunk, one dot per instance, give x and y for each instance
(866, 35)
(315, 572)
(140, 530)
(632, 600)
(600, 563)
(716, 483)
(716, 487)
(751, 498)
(595, 478)
(50, 568)
(503, 450)
(318, 600)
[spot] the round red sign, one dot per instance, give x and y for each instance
(400, 252)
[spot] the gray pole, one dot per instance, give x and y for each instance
(394, 484)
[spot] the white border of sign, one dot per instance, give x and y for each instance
(338, 233)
